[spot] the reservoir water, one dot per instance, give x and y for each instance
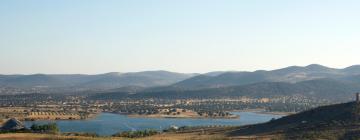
(107, 123)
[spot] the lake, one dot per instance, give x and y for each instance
(106, 124)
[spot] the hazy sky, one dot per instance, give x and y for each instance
(97, 36)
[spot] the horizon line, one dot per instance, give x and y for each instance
(175, 71)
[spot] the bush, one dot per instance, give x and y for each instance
(81, 134)
(137, 134)
(46, 128)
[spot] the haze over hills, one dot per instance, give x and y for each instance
(106, 81)
(291, 74)
(328, 89)
(313, 81)
(287, 81)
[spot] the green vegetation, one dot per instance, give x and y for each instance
(80, 134)
(183, 129)
(137, 134)
(46, 128)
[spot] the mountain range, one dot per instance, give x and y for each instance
(312, 80)
(328, 89)
(105, 81)
(291, 74)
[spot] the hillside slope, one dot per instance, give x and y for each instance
(101, 81)
(340, 121)
(322, 88)
(290, 74)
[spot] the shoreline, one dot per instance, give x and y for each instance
(258, 111)
(263, 111)
(177, 117)
(278, 113)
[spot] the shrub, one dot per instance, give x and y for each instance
(137, 134)
(46, 128)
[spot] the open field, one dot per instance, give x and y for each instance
(193, 134)
(29, 113)
(186, 137)
(28, 136)
(52, 116)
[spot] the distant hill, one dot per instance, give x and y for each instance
(31, 81)
(320, 88)
(352, 69)
(291, 74)
(101, 81)
(340, 121)
(166, 83)
(142, 79)
(215, 73)
(223, 80)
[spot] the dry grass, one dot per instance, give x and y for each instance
(29, 136)
(185, 137)
(52, 115)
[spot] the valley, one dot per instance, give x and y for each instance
(223, 105)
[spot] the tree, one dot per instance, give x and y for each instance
(46, 128)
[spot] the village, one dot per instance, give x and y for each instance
(32, 107)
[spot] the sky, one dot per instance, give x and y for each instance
(189, 36)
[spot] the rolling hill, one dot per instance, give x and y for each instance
(290, 80)
(339, 121)
(320, 88)
(291, 74)
(101, 81)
